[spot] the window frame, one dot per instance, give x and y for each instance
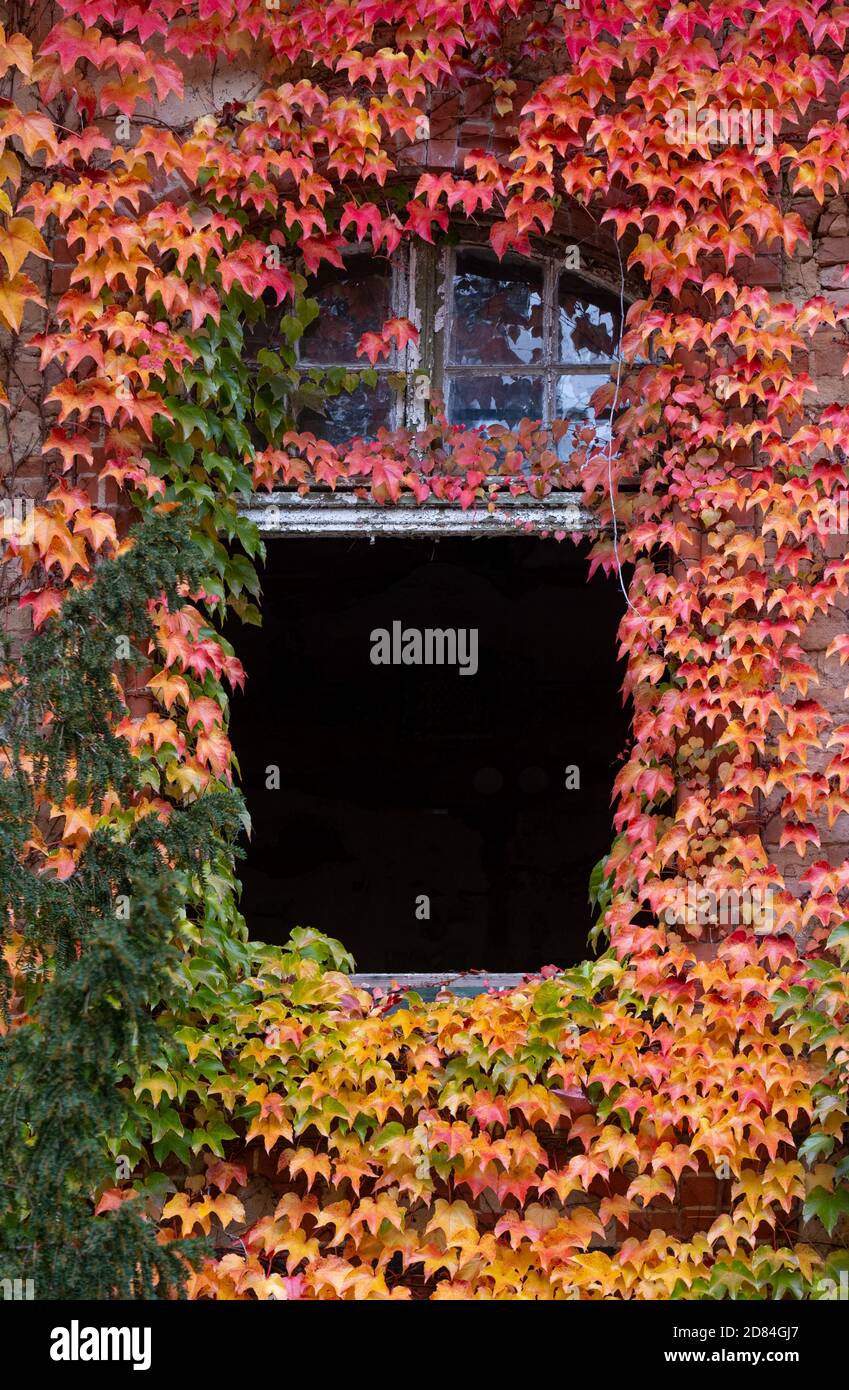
(339, 512)
(421, 290)
(552, 366)
(400, 305)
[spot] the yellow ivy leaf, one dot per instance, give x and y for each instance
(19, 239)
(15, 52)
(158, 1084)
(15, 295)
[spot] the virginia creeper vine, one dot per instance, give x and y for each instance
(537, 1144)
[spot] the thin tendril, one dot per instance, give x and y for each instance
(613, 406)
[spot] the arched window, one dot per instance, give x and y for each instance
(523, 337)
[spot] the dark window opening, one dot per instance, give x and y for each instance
(406, 783)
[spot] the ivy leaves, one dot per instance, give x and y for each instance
(485, 1148)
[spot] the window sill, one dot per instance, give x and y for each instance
(464, 983)
(343, 514)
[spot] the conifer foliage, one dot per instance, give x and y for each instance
(96, 950)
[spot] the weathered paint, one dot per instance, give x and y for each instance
(466, 982)
(343, 514)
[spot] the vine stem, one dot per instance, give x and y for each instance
(613, 406)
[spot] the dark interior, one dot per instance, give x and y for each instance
(400, 781)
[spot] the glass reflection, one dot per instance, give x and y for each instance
(497, 306)
(588, 331)
(351, 302)
(572, 402)
(494, 400)
(358, 415)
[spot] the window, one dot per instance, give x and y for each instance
(351, 302)
(427, 790)
(525, 340)
(424, 817)
(499, 341)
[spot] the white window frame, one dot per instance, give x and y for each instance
(341, 513)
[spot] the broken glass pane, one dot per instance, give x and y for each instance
(349, 416)
(497, 310)
(588, 331)
(494, 400)
(572, 402)
(351, 302)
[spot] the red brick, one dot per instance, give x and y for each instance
(60, 280)
(830, 360)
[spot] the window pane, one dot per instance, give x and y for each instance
(351, 302)
(497, 310)
(588, 331)
(348, 416)
(494, 400)
(572, 402)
